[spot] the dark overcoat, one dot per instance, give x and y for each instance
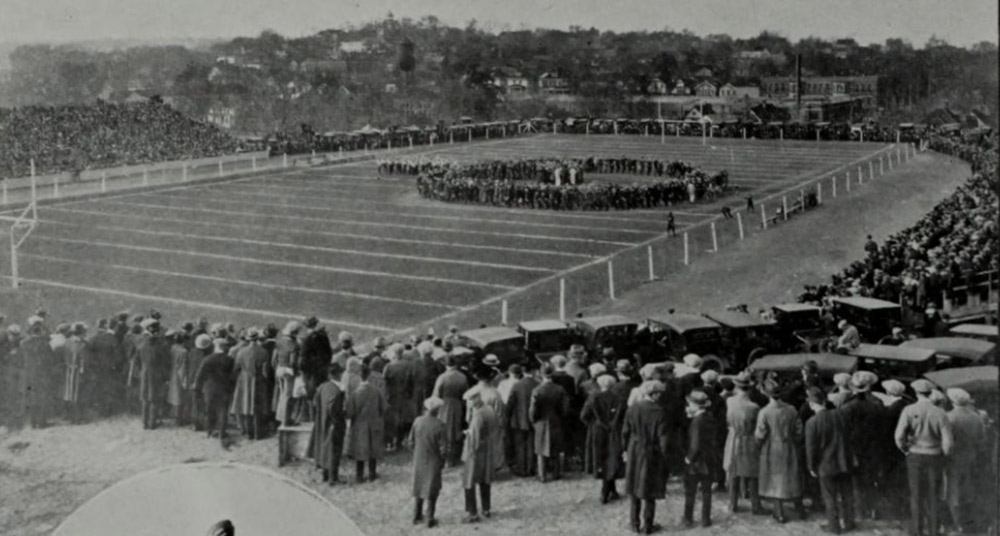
(450, 387)
(214, 380)
(519, 404)
(366, 410)
(430, 450)
(399, 385)
(77, 355)
(39, 371)
(828, 451)
(644, 434)
(701, 449)
(327, 440)
(603, 453)
(153, 357)
(548, 411)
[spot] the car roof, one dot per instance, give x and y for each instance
(542, 325)
(598, 322)
(894, 353)
(867, 303)
(735, 319)
(976, 329)
(954, 346)
(796, 307)
(685, 322)
(962, 375)
(827, 363)
(486, 336)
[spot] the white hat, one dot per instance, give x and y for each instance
(32, 320)
(647, 371)
(692, 360)
(425, 348)
(842, 379)
(651, 386)
(291, 327)
(959, 397)
(841, 324)
(433, 403)
(596, 369)
(203, 341)
(605, 381)
(709, 376)
(894, 387)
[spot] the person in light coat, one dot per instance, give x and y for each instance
(430, 452)
(964, 462)
(366, 408)
(252, 370)
(779, 430)
(741, 455)
(450, 387)
(478, 456)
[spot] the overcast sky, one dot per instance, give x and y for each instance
(961, 22)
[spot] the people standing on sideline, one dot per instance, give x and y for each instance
(429, 438)
(700, 458)
(365, 408)
(327, 442)
(644, 433)
(830, 460)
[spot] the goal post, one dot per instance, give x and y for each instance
(20, 227)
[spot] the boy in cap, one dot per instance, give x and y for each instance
(829, 459)
(924, 435)
(430, 452)
(700, 458)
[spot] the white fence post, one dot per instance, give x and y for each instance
(763, 216)
(739, 223)
(819, 192)
(860, 173)
(881, 166)
(104, 181)
(715, 239)
(649, 254)
(833, 186)
(687, 251)
(784, 207)
(562, 299)
(847, 182)
(220, 168)
(284, 158)
(871, 170)
(503, 312)
(611, 280)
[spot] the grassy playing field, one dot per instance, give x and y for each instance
(370, 255)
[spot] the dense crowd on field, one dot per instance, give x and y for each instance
(548, 183)
(947, 247)
(78, 137)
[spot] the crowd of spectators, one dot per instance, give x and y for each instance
(77, 137)
(947, 247)
(558, 183)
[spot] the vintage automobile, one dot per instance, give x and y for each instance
(745, 337)
(980, 382)
(676, 335)
(874, 318)
(905, 364)
(791, 364)
(542, 339)
(614, 331)
(977, 331)
(799, 326)
(505, 343)
(957, 351)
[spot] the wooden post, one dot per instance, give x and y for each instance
(503, 312)
(451, 137)
(802, 199)
(487, 132)
(647, 131)
(611, 280)
(781, 134)
(470, 135)
(763, 216)
(284, 158)
(784, 207)
(586, 127)
(649, 254)
(411, 141)
(663, 133)
(340, 152)
(687, 251)
(562, 299)
(744, 134)
(13, 260)
(739, 223)
(104, 181)
(34, 187)
(859, 178)
(715, 238)
(897, 136)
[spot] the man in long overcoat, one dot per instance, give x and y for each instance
(107, 367)
(430, 451)
(326, 444)
(491, 397)
(450, 387)
(548, 411)
(251, 369)
(519, 425)
(177, 389)
(214, 381)
(478, 457)
(863, 414)
(700, 458)
(152, 357)
(644, 433)
(399, 385)
(741, 457)
(75, 388)
(602, 413)
(829, 458)
(366, 410)
(39, 370)
(202, 349)
(316, 353)
(964, 463)
(779, 430)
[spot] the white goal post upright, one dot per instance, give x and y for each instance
(25, 222)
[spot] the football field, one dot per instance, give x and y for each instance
(371, 256)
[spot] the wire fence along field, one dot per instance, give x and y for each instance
(372, 256)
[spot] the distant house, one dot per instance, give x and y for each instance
(732, 92)
(221, 116)
(511, 81)
(706, 88)
(353, 47)
(680, 88)
(554, 83)
(657, 87)
(229, 60)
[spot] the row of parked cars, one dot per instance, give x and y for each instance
(730, 341)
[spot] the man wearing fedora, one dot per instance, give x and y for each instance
(214, 382)
(741, 456)
(830, 460)
(326, 444)
(863, 412)
(196, 356)
(450, 387)
(700, 458)
(430, 452)
(779, 431)
(548, 411)
(849, 337)
(644, 434)
(478, 456)
(519, 424)
(153, 358)
(316, 355)
(923, 433)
